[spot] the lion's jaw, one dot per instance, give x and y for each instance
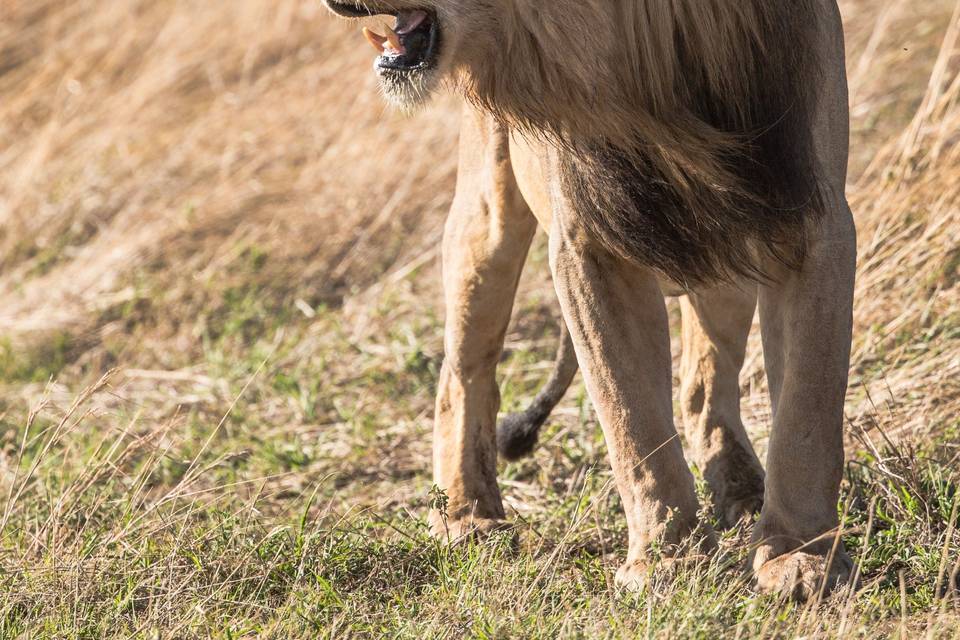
(538, 65)
(414, 54)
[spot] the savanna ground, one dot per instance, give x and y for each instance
(220, 332)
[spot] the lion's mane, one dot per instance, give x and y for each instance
(687, 121)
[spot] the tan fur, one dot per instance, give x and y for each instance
(532, 106)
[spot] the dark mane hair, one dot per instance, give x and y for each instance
(686, 124)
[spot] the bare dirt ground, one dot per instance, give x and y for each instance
(221, 326)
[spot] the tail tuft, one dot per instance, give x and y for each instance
(517, 433)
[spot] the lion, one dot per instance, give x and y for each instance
(692, 148)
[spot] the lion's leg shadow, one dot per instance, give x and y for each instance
(486, 239)
(617, 318)
(716, 325)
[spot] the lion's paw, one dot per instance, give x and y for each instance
(734, 511)
(800, 576)
(633, 576)
(736, 480)
(468, 529)
(636, 576)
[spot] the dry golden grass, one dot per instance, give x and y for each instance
(160, 136)
(211, 198)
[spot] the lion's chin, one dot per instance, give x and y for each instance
(408, 91)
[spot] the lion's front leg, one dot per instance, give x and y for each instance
(617, 317)
(487, 236)
(807, 321)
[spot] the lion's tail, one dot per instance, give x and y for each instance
(517, 432)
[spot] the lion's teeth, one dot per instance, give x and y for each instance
(388, 44)
(394, 39)
(374, 39)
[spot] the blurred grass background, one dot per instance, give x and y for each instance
(221, 325)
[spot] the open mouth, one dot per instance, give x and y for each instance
(412, 44)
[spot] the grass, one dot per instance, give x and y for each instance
(216, 530)
(222, 328)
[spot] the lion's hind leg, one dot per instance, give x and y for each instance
(716, 324)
